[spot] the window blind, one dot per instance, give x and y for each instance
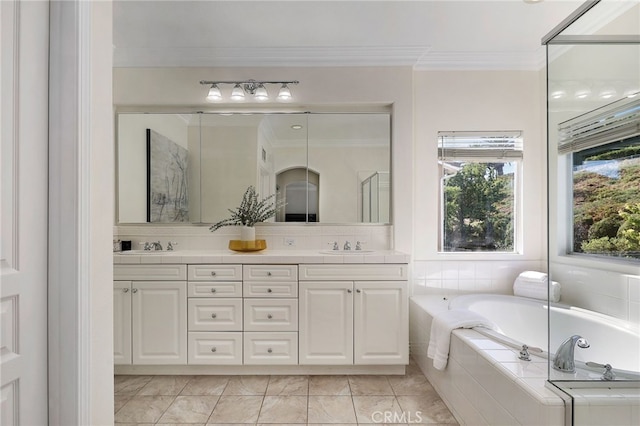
(479, 145)
(615, 122)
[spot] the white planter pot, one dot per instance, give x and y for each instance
(247, 233)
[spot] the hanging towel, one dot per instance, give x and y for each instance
(443, 324)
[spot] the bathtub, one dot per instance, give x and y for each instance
(486, 384)
(524, 321)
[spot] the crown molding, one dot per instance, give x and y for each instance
(266, 57)
(467, 60)
(419, 57)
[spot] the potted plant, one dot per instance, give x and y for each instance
(250, 211)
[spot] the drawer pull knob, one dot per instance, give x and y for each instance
(213, 273)
(125, 290)
(213, 349)
(358, 291)
(214, 315)
(269, 316)
(134, 290)
(269, 290)
(349, 290)
(213, 290)
(269, 350)
(268, 274)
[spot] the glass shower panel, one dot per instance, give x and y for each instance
(593, 118)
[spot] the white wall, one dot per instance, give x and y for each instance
(477, 101)
(226, 150)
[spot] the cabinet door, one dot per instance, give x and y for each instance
(122, 322)
(381, 325)
(326, 322)
(159, 322)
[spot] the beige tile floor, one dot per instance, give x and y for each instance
(279, 400)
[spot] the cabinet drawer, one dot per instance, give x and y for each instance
(270, 314)
(270, 348)
(215, 348)
(214, 289)
(270, 289)
(368, 272)
(214, 314)
(215, 273)
(150, 272)
(270, 272)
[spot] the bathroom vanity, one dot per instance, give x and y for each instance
(228, 313)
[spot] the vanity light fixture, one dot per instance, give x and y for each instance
(251, 87)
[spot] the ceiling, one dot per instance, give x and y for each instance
(427, 34)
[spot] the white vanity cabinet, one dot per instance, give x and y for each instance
(270, 314)
(353, 314)
(150, 314)
(215, 314)
(122, 322)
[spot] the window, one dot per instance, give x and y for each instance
(604, 148)
(479, 175)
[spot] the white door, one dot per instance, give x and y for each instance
(381, 325)
(326, 322)
(122, 322)
(24, 38)
(159, 318)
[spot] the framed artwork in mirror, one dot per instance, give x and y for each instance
(167, 180)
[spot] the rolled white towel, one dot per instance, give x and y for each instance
(537, 290)
(533, 276)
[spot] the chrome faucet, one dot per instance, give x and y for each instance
(564, 359)
(156, 245)
(347, 245)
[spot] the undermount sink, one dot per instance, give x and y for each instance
(347, 252)
(143, 252)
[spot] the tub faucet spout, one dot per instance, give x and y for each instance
(564, 359)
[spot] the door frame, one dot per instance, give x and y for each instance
(81, 186)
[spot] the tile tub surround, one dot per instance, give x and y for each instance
(484, 382)
(257, 400)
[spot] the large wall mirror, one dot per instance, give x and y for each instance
(191, 168)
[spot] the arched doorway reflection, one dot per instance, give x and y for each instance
(299, 188)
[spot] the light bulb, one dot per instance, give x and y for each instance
(582, 93)
(237, 94)
(284, 94)
(214, 94)
(558, 94)
(608, 92)
(632, 93)
(261, 93)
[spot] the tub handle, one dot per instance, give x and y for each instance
(608, 370)
(524, 353)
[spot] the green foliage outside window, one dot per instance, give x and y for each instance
(606, 201)
(479, 208)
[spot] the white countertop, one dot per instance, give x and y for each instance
(260, 257)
